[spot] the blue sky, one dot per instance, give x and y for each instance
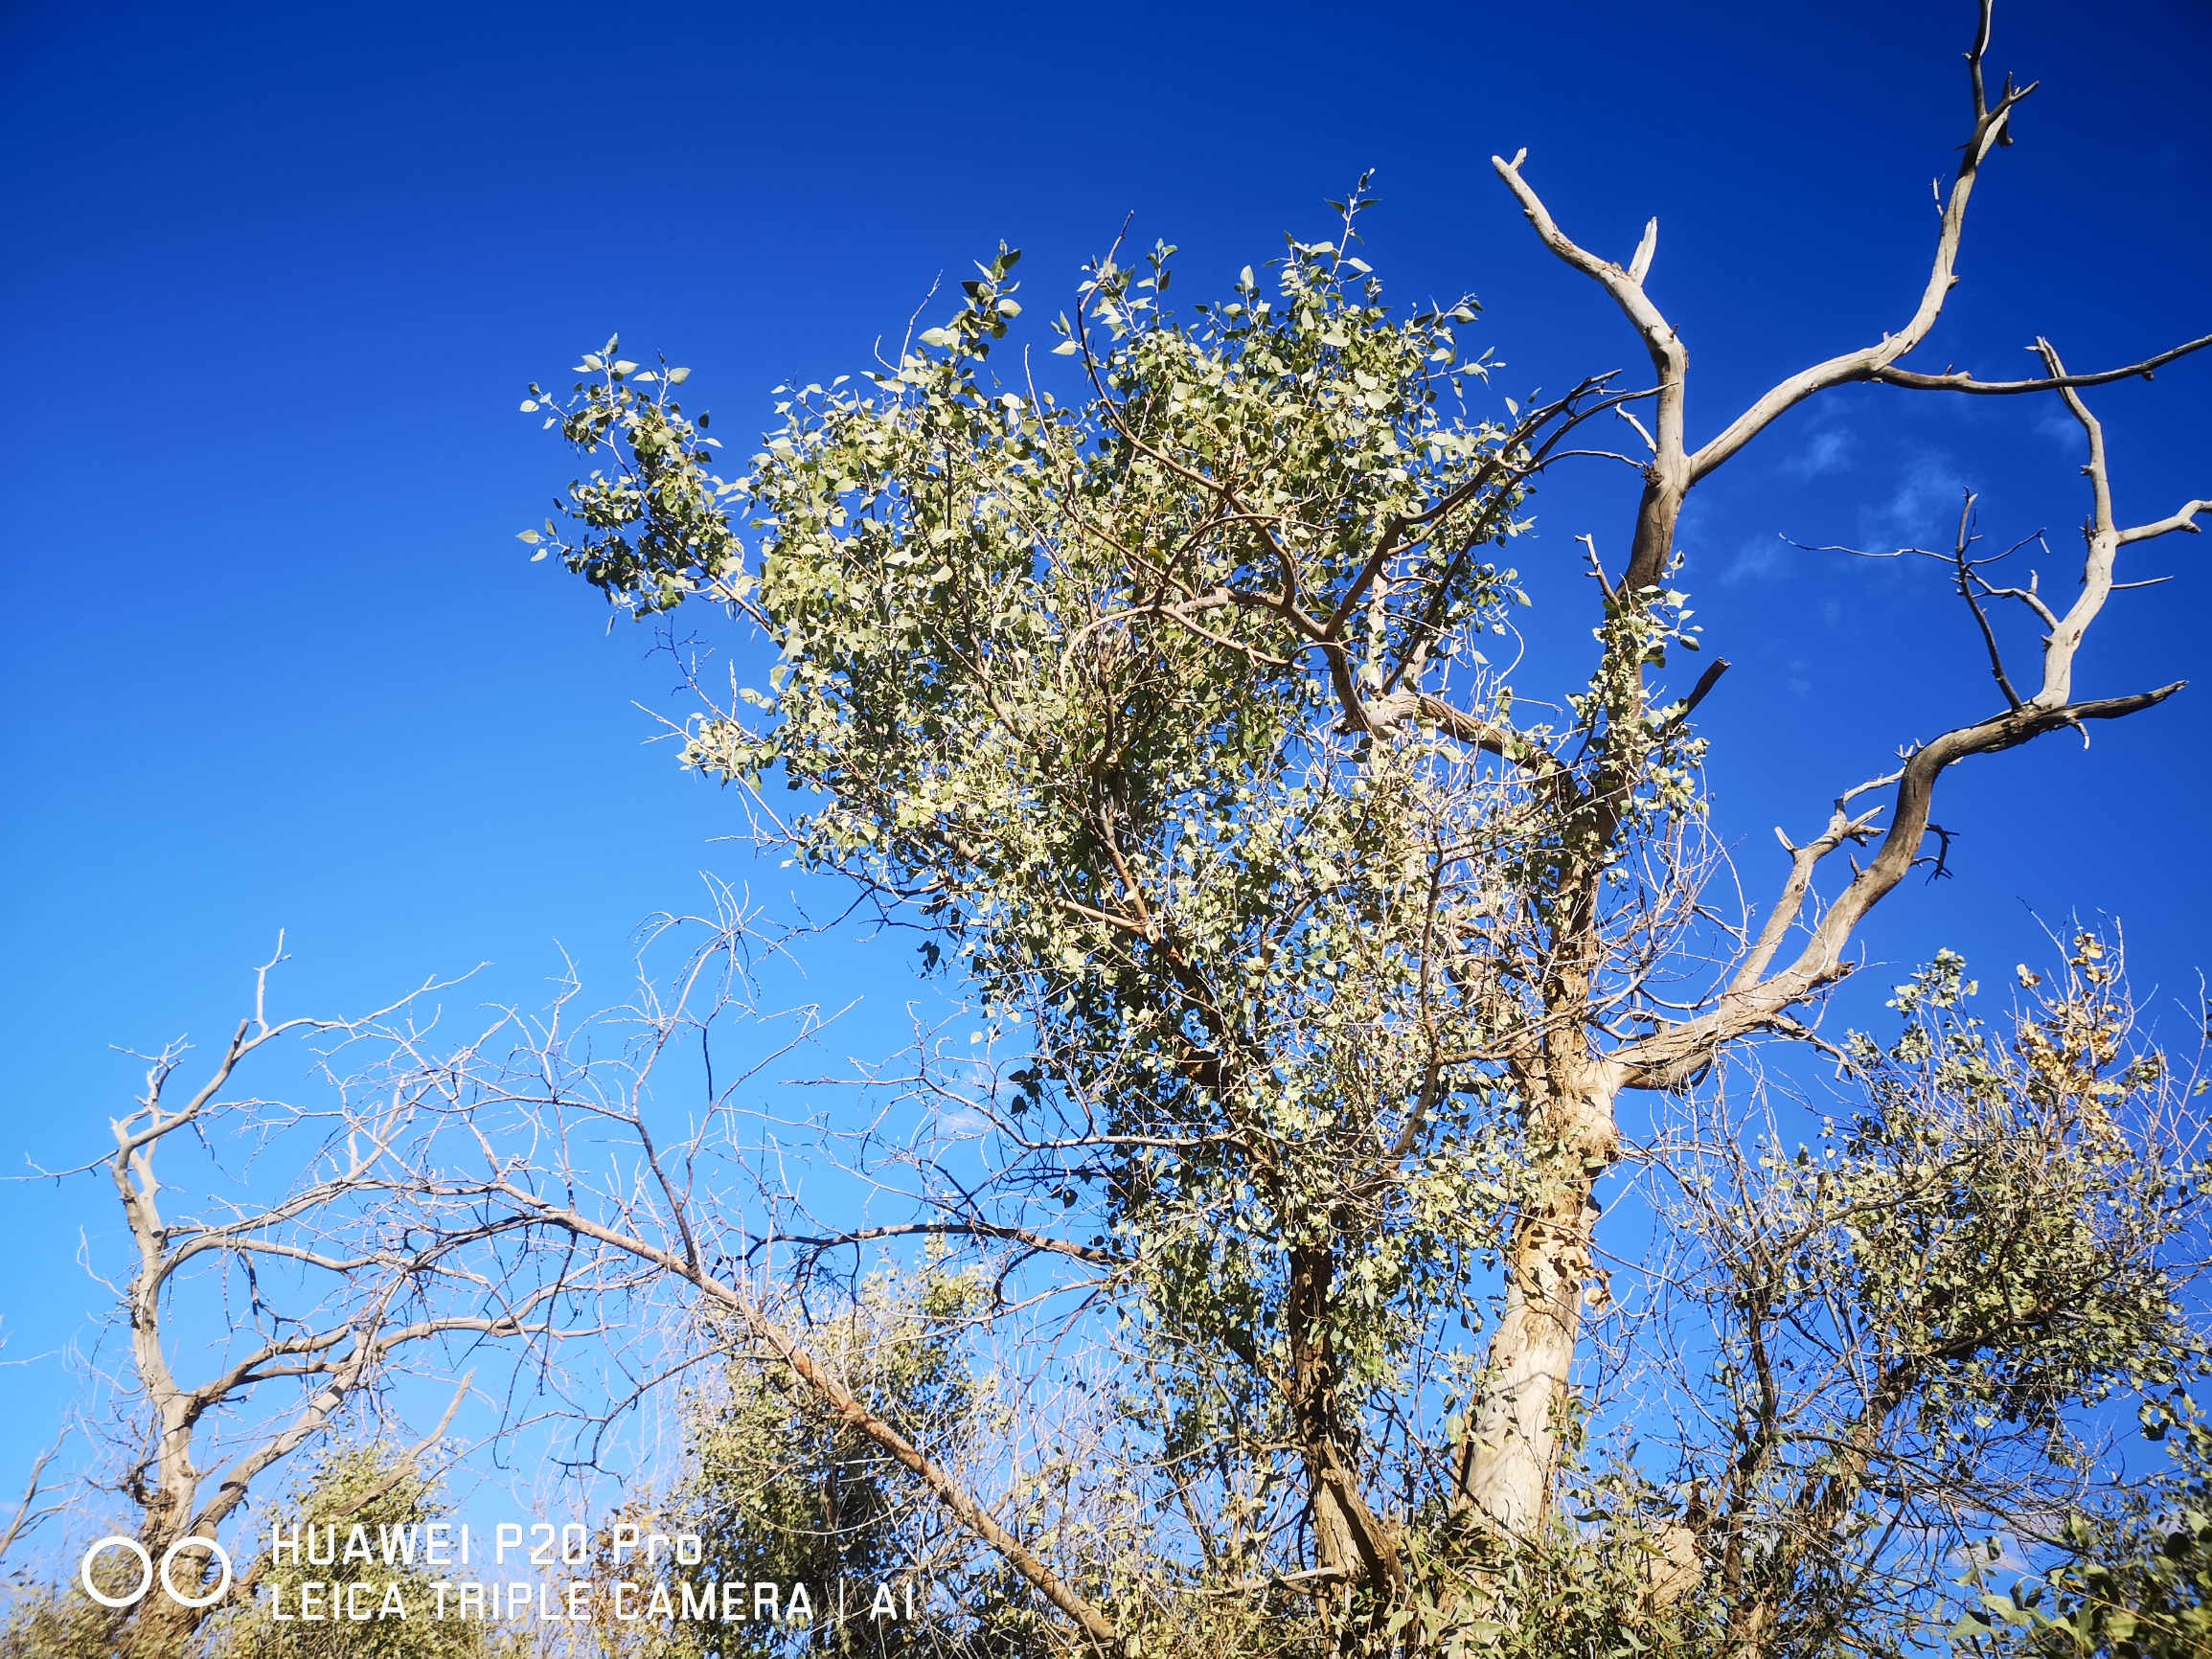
(275, 278)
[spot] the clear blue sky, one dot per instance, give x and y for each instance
(275, 277)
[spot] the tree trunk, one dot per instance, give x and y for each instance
(1512, 1445)
(158, 1628)
(1347, 1534)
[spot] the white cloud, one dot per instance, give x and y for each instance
(1829, 451)
(1921, 511)
(1760, 559)
(2059, 427)
(962, 1121)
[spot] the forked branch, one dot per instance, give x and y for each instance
(1992, 127)
(1756, 996)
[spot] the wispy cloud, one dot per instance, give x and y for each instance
(1829, 451)
(1916, 513)
(2059, 427)
(1759, 560)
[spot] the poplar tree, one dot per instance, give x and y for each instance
(1174, 698)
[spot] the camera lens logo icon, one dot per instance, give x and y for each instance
(147, 1573)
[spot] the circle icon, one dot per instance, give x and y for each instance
(213, 1595)
(144, 1567)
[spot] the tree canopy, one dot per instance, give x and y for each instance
(1177, 706)
(1405, 1191)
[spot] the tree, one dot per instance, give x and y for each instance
(383, 1489)
(1909, 1314)
(2134, 1583)
(610, 1205)
(1165, 710)
(784, 1491)
(253, 1321)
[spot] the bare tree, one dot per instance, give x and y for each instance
(1164, 714)
(39, 1503)
(674, 1220)
(254, 1317)
(1795, 953)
